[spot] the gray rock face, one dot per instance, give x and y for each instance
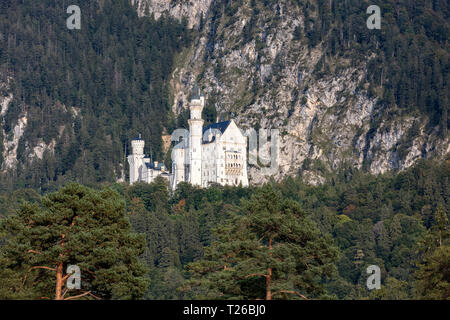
(270, 82)
(10, 142)
(178, 9)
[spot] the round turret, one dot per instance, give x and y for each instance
(137, 145)
(196, 107)
(197, 103)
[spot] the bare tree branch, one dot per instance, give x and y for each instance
(294, 292)
(78, 296)
(42, 267)
(67, 276)
(37, 267)
(64, 293)
(94, 296)
(255, 274)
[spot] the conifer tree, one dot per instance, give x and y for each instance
(74, 226)
(273, 251)
(393, 289)
(433, 275)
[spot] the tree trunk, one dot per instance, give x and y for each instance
(269, 275)
(268, 282)
(59, 282)
(59, 274)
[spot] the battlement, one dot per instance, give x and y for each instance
(137, 145)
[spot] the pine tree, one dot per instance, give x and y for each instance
(433, 275)
(273, 251)
(393, 289)
(75, 226)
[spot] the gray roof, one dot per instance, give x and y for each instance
(196, 92)
(139, 137)
(151, 165)
(222, 126)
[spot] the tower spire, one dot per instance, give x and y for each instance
(195, 92)
(195, 137)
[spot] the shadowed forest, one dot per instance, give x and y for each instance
(219, 243)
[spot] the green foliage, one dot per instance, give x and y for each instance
(272, 250)
(398, 222)
(209, 113)
(411, 67)
(372, 220)
(433, 275)
(10, 201)
(392, 290)
(375, 220)
(74, 226)
(89, 90)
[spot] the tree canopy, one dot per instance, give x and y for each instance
(274, 250)
(74, 226)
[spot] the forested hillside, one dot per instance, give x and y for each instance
(81, 95)
(364, 165)
(390, 221)
(205, 242)
(338, 91)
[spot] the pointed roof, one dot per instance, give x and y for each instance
(221, 126)
(139, 137)
(196, 92)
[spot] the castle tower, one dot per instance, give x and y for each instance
(195, 137)
(136, 159)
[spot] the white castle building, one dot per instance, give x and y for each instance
(216, 154)
(141, 166)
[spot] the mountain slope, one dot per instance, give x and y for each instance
(72, 99)
(340, 94)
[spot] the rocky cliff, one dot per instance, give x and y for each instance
(339, 94)
(255, 62)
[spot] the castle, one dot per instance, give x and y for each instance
(215, 154)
